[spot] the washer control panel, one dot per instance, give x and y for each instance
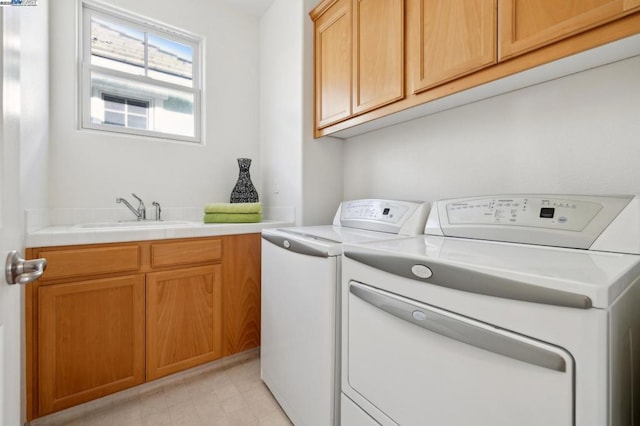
(555, 213)
(377, 210)
(393, 216)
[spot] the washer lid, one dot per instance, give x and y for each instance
(550, 275)
(324, 239)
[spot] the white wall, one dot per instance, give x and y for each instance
(308, 173)
(90, 169)
(280, 104)
(577, 134)
(322, 167)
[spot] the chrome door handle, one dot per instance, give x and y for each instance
(20, 271)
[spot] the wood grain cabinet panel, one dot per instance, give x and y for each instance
(91, 340)
(448, 39)
(525, 25)
(189, 302)
(242, 293)
(378, 43)
(359, 57)
(333, 64)
(85, 261)
(184, 319)
(185, 252)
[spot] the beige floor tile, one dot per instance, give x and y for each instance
(176, 394)
(226, 390)
(153, 403)
(234, 404)
(275, 419)
(184, 414)
(160, 418)
(242, 418)
(227, 396)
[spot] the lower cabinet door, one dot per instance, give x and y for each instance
(91, 340)
(184, 319)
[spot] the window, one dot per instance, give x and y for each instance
(139, 77)
(125, 112)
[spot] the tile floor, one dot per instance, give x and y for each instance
(228, 393)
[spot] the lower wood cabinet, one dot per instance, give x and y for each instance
(184, 319)
(106, 317)
(83, 325)
(242, 295)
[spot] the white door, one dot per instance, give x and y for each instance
(11, 233)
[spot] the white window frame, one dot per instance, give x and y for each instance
(89, 9)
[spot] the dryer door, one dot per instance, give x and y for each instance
(418, 364)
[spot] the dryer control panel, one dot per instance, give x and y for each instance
(553, 213)
(574, 221)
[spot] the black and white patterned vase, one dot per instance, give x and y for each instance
(244, 191)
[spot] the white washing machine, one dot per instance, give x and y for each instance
(299, 321)
(512, 310)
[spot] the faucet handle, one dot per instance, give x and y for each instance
(138, 198)
(141, 208)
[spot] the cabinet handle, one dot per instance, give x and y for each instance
(20, 271)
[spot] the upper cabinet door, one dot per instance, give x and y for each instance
(525, 25)
(333, 56)
(378, 35)
(448, 39)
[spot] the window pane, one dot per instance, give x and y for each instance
(112, 103)
(149, 107)
(138, 108)
(137, 122)
(117, 47)
(170, 61)
(114, 118)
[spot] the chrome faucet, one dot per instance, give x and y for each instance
(140, 212)
(158, 210)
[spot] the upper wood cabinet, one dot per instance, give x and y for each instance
(378, 35)
(333, 64)
(359, 57)
(448, 39)
(451, 46)
(528, 24)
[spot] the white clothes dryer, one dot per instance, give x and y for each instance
(513, 310)
(301, 266)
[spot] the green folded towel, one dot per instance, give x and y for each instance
(233, 208)
(232, 217)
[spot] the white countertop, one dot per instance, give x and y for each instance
(122, 232)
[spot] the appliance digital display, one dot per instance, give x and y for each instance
(547, 212)
(386, 211)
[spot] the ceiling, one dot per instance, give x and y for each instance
(254, 7)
